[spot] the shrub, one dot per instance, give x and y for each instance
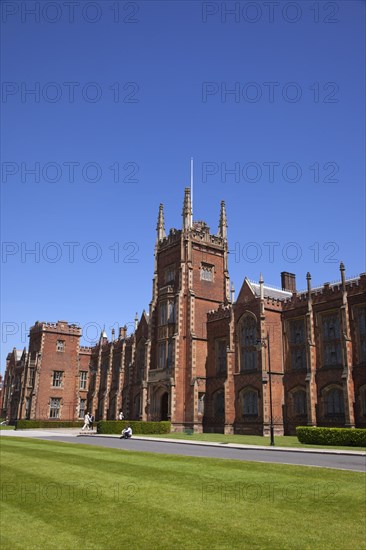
(138, 427)
(353, 437)
(31, 424)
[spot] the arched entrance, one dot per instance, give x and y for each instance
(164, 406)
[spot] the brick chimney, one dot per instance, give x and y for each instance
(288, 281)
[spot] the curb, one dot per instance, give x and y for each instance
(236, 445)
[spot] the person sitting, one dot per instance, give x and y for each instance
(127, 432)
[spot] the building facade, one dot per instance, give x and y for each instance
(200, 358)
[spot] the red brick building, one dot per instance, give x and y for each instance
(202, 359)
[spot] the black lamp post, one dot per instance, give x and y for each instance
(271, 426)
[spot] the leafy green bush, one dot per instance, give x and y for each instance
(353, 437)
(31, 424)
(138, 427)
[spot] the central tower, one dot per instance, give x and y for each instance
(190, 278)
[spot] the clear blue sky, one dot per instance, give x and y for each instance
(143, 90)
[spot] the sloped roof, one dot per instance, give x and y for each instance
(270, 292)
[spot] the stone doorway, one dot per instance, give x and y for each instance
(164, 406)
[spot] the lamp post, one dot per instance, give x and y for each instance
(262, 343)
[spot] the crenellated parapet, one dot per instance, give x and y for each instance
(329, 290)
(223, 312)
(201, 232)
(86, 350)
(61, 327)
(273, 303)
(171, 239)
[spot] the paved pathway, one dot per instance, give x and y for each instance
(344, 460)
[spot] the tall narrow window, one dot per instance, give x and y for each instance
(140, 359)
(137, 406)
(162, 355)
(55, 406)
(31, 377)
(82, 406)
(166, 313)
(334, 404)
(248, 343)
(162, 313)
(169, 274)
(332, 354)
(297, 344)
(250, 403)
(221, 356)
(362, 400)
(57, 378)
(170, 354)
(83, 379)
(219, 404)
(171, 312)
(299, 402)
(361, 329)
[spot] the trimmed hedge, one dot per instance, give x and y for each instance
(138, 427)
(30, 424)
(353, 437)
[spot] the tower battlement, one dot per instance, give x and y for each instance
(60, 327)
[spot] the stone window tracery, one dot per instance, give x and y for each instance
(332, 353)
(334, 403)
(248, 343)
(250, 403)
(221, 356)
(297, 344)
(207, 272)
(219, 403)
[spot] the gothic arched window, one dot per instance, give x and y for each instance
(334, 403)
(140, 359)
(361, 330)
(332, 354)
(250, 403)
(221, 356)
(248, 343)
(299, 402)
(297, 344)
(136, 406)
(219, 403)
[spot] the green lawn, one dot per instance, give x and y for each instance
(280, 441)
(5, 427)
(66, 496)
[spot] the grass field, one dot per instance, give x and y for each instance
(65, 496)
(280, 441)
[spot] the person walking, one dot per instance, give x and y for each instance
(86, 422)
(91, 421)
(120, 416)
